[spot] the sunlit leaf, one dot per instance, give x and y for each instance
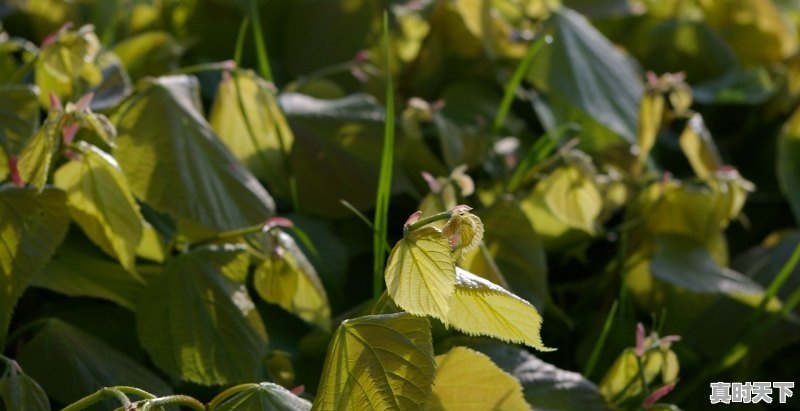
(198, 324)
(19, 116)
(67, 64)
(699, 147)
(102, 204)
(378, 362)
(151, 53)
(651, 111)
(265, 396)
(36, 157)
(479, 307)
(21, 392)
(173, 159)
(32, 227)
(623, 379)
(286, 277)
(420, 273)
(572, 197)
(70, 363)
(684, 262)
(468, 380)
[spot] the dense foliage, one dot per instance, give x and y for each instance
(429, 204)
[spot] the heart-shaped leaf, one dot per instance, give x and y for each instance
(265, 396)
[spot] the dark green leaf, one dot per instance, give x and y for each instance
(738, 86)
(176, 163)
(33, 225)
(265, 396)
(355, 107)
(21, 392)
(788, 166)
(198, 324)
(684, 262)
(70, 364)
(19, 116)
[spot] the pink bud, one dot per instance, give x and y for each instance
(298, 390)
(55, 102)
(432, 183)
(657, 394)
(669, 339)
(639, 350)
(13, 166)
(361, 56)
(69, 132)
(413, 218)
(460, 209)
(83, 102)
(229, 65)
(278, 222)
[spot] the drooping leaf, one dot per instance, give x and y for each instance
(102, 204)
(31, 227)
(264, 145)
(572, 197)
(67, 65)
(699, 148)
(583, 77)
(79, 269)
(36, 157)
(479, 307)
(173, 159)
(684, 262)
(420, 273)
(355, 107)
(21, 392)
(788, 167)
(468, 380)
(198, 324)
(265, 396)
(286, 277)
(382, 362)
(19, 116)
(70, 363)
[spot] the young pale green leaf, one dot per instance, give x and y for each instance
(254, 129)
(101, 202)
(80, 269)
(469, 380)
(21, 392)
(288, 279)
(265, 396)
(33, 226)
(421, 275)
(684, 262)
(151, 53)
(36, 157)
(19, 116)
(587, 79)
(69, 363)
(67, 64)
(572, 197)
(479, 307)
(788, 167)
(175, 162)
(378, 362)
(198, 324)
(699, 148)
(651, 112)
(623, 379)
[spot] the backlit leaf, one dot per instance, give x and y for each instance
(69, 364)
(198, 324)
(32, 226)
(699, 148)
(19, 116)
(378, 362)
(479, 307)
(572, 197)
(21, 392)
(101, 202)
(265, 396)
(468, 380)
(260, 151)
(651, 111)
(36, 157)
(288, 279)
(151, 53)
(623, 379)
(420, 273)
(175, 162)
(67, 64)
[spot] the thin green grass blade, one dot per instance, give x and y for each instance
(261, 47)
(385, 178)
(601, 341)
(237, 54)
(513, 84)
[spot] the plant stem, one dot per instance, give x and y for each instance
(261, 47)
(598, 348)
(100, 395)
(180, 400)
(444, 215)
(237, 54)
(197, 68)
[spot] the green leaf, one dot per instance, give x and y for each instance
(651, 112)
(572, 197)
(19, 116)
(36, 157)
(101, 202)
(684, 262)
(788, 167)
(421, 274)
(469, 380)
(699, 148)
(378, 362)
(151, 53)
(198, 324)
(737, 86)
(584, 77)
(70, 364)
(175, 162)
(33, 226)
(80, 269)
(355, 107)
(286, 277)
(479, 307)
(21, 392)
(623, 379)
(254, 130)
(66, 66)
(265, 396)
